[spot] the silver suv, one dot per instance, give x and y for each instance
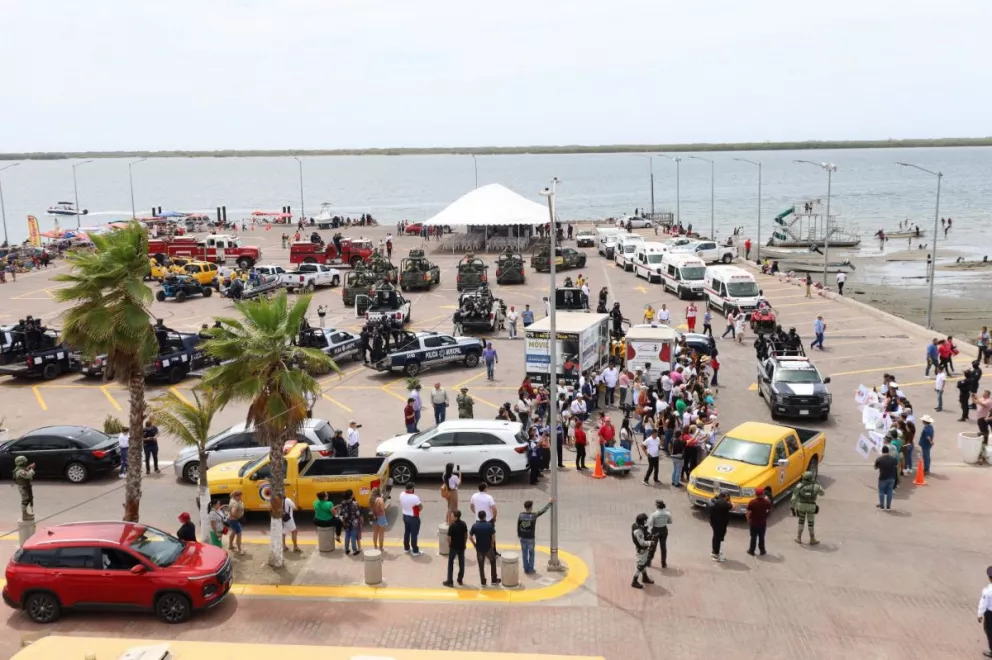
(239, 443)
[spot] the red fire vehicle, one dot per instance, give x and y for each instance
(217, 248)
(353, 250)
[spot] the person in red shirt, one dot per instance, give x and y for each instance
(757, 520)
(944, 353)
(715, 365)
(747, 249)
(410, 417)
(526, 385)
(580, 446)
(606, 434)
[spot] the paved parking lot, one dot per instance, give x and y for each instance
(899, 585)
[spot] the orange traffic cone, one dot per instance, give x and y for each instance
(598, 472)
(919, 480)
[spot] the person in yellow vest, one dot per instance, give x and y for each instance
(648, 314)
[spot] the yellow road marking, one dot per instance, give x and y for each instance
(927, 382)
(753, 387)
(180, 396)
(337, 403)
(37, 395)
(642, 289)
(447, 306)
(110, 398)
(469, 380)
(868, 371)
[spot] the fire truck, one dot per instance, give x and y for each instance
(353, 251)
(217, 248)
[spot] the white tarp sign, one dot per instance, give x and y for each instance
(871, 418)
(863, 446)
(877, 439)
(861, 396)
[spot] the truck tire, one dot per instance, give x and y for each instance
(160, 296)
(678, 292)
(413, 368)
(309, 287)
(336, 281)
(180, 296)
(207, 291)
(814, 467)
(402, 472)
(495, 473)
(726, 258)
(191, 472)
(472, 360)
(176, 374)
(51, 371)
(244, 263)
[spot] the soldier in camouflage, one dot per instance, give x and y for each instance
(643, 542)
(466, 405)
(23, 476)
(804, 505)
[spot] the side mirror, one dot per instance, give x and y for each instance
(138, 569)
(253, 477)
(826, 380)
(782, 462)
(426, 445)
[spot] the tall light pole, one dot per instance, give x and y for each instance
(712, 196)
(130, 181)
(554, 564)
(303, 211)
(933, 261)
(75, 189)
(475, 166)
(830, 168)
(678, 191)
(3, 210)
(650, 158)
(756, 163)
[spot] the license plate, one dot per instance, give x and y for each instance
(803, 412)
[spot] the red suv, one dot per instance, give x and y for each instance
(115, 565)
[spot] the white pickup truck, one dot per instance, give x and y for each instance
(306, 277)
(709, 251)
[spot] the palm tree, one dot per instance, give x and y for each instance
(262, 365)
(110, 317)
(189, 422)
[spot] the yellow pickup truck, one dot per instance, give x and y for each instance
(756, 456)
(306, 475)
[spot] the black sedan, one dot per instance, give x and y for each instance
(73, 453)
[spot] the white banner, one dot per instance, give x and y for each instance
(863, 447)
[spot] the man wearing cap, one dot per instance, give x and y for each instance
(187, 530)
(926, 441)
(985, 612)
(353, 438)
(466, 405)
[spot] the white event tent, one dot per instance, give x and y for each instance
(492, 205)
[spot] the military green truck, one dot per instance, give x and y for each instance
(472, 272)
(383, 269)
(510, 268)
(418, 272)
(357, 282)
(565, 259)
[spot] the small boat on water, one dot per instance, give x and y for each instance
(902, 233)
(65, 208)
(844, 266)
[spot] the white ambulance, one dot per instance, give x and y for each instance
(623, 253)
(731, 289)
(684, 274)
(647, 261)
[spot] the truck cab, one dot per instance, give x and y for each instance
(793, 387)
(623, 253)
(756, 456)
(647, 261)
(683, 274)
(606, 240)
(711, 251)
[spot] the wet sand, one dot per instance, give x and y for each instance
(962, 317)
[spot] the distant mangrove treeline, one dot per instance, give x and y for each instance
(559, 149)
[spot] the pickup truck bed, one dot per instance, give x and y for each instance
(805, 435)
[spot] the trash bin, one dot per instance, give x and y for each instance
(373, 567)
(970, 444)
(511, 569)
(326, 539)
(442, 540)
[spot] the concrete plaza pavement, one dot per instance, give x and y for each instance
(881, 585)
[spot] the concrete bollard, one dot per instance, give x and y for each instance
(442, 540)
(373, 567)
(326, 540)
(511, 569)
(25, 530)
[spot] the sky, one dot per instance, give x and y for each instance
(106, 75)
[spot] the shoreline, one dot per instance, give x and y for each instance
(796, 145)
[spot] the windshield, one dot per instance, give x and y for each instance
(654, 258)
(629, 247)
(250, 465)
(693, 272)
(735, 449)
(797, 376)
(417, 438)
(742, 289)
(158, 547)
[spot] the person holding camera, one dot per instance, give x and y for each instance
(353, 438)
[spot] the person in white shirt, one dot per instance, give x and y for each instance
(522, 409)
(660, 406)
(985, 611)
(609, 378)
(647, 377)
(664, 316)
(841, 278)
(585, 295)
(513, 317)
(483, 501)
(288, 507)
(938, 386)
(578, 407)
(666, 386)
(353, 438)
(652, 445)
(411, 506)
(122, 443)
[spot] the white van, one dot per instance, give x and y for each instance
(683, 274)
(606, 240)
(623, 253)
(647, 261)
(731, 289)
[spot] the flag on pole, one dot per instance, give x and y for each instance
(34, 235)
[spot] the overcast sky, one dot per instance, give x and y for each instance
(282, 74)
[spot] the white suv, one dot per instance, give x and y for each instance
(239, 443)
(493, 449)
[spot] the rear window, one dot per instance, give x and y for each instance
(44, 558)
(324, 433)
(521, 437)
(92, 438)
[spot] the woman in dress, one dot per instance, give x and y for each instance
(289, 524)
(377, 511)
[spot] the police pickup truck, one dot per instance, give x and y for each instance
(331, 342)
(422, 350)
(33, 352)
(792, 387)
(384, 303)
(179, 354)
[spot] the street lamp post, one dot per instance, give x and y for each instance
(756, 163)
(678, 191)
(830, 168)
(650, 159)
(303, 212)
(554, 563)
(75, 189)
(475, 166)
(3, 210)
(712, 195)
(936, 214)
(130, 181)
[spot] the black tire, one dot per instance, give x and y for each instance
(160, 258)
(814, 467)
(76, 473)
(244, 263)
(160, 296)
(412, 369)
(191, 472)
(51, 371)
(678, 292)
(402, 472)
(726, 258)
(207, 291)
(471, 360)
(495, 473)
(173, 607)
(175, 375)
(42, 607)
(180, 296)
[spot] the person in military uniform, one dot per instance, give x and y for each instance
(23, 476)
(641, 537)
(466, 405)
(804, 505)
(456, 320)
(761, 347)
